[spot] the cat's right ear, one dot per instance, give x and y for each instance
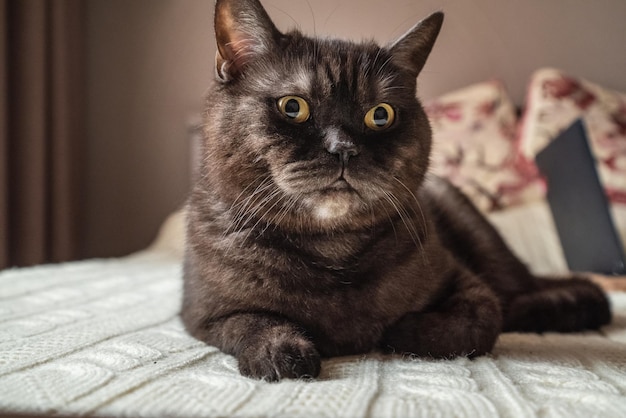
(243, 31)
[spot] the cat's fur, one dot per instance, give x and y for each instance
(325, 237)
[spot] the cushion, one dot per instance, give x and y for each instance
(555, 100)
(474, 131)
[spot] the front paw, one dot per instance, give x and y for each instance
(287, 356)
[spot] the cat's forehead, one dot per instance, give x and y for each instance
(320, 66)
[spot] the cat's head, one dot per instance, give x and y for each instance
(314, 134)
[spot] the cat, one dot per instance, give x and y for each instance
(314, 229)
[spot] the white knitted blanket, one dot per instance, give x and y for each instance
(102, 337)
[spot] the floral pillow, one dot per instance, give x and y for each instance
(474, 132)
(555, 100)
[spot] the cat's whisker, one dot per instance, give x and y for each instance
(413, 232)
(244, 191)
(295, 22)
(277, 217)
(366, 66)
(258, 194)
(411, 220)
(415, 199)
(331, 14)
(252, 199)
(288, 208)
(242, 220)
(251, 213)
(242, 216)
(312, 17)
(393, 227)
(424, 227)
(393, 200)
(382, 67)
(270, 198)
(387, 89)
(373, 65)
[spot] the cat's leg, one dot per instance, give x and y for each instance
(466, 322)
(266, 346)
(473, 241)
(529, 303)
(563, 305)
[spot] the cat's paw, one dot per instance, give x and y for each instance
(290, 357)
(443, 335)
(566, 305)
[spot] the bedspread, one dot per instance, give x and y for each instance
(103, 337)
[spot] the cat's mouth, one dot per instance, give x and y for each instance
(334, 201)
(341, 184)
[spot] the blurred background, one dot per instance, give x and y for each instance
(98, 96)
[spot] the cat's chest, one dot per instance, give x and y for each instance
(341, 251)
(317, 252)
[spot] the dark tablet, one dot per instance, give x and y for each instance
(579, 205)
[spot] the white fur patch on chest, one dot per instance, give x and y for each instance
(331, 207)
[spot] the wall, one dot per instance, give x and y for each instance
(150, 62)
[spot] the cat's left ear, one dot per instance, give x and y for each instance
(243, 31)
(412, 49)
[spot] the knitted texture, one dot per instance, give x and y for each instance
(103, 337)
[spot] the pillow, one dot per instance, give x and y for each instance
(555, 100)
(474, 132)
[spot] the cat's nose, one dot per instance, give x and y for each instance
(339, 143)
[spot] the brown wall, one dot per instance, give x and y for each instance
(149, 63)
(151, 60)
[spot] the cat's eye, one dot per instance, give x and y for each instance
(380, 117)
(294, 108)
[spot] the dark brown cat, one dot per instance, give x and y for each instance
(314, 229)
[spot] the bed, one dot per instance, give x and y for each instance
(103, 337)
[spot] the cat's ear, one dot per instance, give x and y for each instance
(412, 49)
(243, 31)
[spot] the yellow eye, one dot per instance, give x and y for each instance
(380, 117)
(294, 108)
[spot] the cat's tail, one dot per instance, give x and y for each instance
(561, 305)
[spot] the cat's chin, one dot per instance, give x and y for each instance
(332, 204)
